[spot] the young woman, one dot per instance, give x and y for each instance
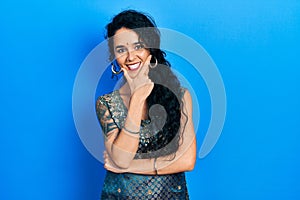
(147, 123)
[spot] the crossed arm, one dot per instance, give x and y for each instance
(121, 148)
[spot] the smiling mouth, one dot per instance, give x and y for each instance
(134, 66)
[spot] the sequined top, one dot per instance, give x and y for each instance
(112, 113)
(152, 143)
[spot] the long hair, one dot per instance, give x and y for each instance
(167, 90)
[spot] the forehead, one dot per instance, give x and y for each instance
(125, 36)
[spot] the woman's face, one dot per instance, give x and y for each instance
(130, 52)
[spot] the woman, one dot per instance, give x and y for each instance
(147, 123)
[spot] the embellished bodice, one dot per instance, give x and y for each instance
(152, 143)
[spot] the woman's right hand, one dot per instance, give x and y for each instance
(141, 85)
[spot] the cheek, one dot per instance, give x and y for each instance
(121, 60)
(144, 55)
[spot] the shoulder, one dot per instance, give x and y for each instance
(104, 99)
(187, 99)
(185, 94)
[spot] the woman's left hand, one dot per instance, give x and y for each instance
(141, 85)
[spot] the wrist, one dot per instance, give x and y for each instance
(137, 100)
(155, 167)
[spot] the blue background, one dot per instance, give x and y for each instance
(255, 45)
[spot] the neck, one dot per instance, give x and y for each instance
(125, 90)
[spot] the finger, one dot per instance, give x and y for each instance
(145, 68)
(105, 154)
(106, 167)
(125, 72)
(105, 157)
(106, 163)
(150, 86)
(148, 59)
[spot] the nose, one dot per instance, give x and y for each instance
(131, 55)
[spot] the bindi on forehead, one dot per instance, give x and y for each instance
(126, 37)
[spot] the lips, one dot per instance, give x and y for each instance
(134, 66)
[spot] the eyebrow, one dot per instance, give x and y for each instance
(119, 46)
(135, 43)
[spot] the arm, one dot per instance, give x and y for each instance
(185, 156)
(121, 145)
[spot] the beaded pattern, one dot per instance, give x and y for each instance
(134, 186)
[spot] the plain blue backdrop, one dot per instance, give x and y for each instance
(255, 45)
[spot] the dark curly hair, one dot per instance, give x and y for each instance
(167, 91)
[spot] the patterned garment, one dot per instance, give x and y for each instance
(134, 186)
(112, 109)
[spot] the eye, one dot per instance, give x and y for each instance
(120, 50)
(139, 46)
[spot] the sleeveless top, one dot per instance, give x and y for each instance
(137, 186)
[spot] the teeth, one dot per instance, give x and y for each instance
(134, 66)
